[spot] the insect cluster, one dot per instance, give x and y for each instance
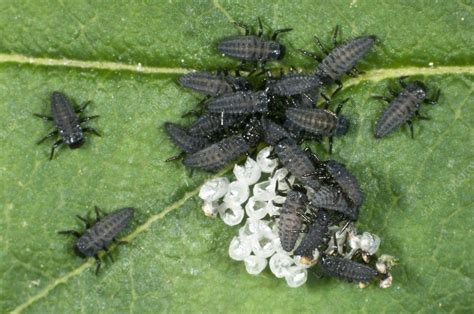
(305, 210)
(283, 231)
(240, 112)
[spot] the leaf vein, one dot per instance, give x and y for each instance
(97, 65)
(142, 228)
(370, 75)
(219, 7)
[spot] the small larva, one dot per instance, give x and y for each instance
(403, 107)
(99, 235)
(68, 123)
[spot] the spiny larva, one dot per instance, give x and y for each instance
(298, 162)
(341, 191)
(253, 48)
(342, 59)
(215, 156)
(273, 132)
(290, 222)
(348, 183)
(346, 269)
(188, 143)
(317, 236)
(209, 124)
(318, 122)
(67, 121)
(213, 84)
(330, 197)
(99, 235)
(307, 99)
(293, 84)
(403, 107)
(239, 103)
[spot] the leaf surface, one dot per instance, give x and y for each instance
(125, 58)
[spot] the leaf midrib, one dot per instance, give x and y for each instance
(370, 75)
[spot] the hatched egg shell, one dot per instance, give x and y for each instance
(297, 277)
(231, 214)
(249, 173)
(266, 164)
(261, 191)
(237, 193)
(256, 209)
(210, 209)
(257, 226)
(239, 249)
(214, 189)
(280, 264)
(255, 265)
(369, 243)
(272, 210)
(262, 245)
(387, 282)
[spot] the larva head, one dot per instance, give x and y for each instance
(74, 139)
(59, 99)
(238, 82)
(85, 247)
(253, 132)
(284, 145)
(342, 126)
(277, 51)
(297, 196)
(323, 76)
(261, 101)
(418, 89)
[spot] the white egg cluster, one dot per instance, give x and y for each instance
(257, 243)
(255, 196)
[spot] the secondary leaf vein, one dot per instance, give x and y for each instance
(142, 228)
(224, 11)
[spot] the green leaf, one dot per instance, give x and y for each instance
(125, 57)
